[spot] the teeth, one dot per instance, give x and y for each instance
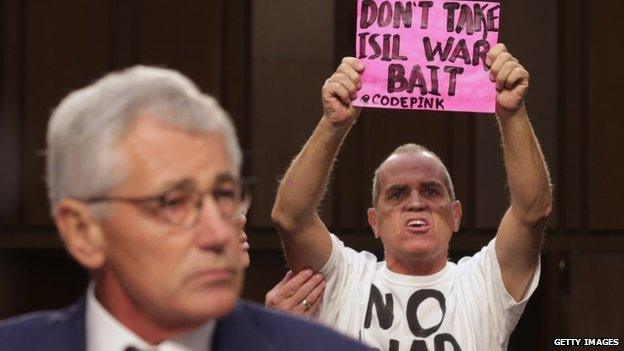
(416, 223)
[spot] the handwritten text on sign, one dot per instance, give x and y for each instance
(427, 54)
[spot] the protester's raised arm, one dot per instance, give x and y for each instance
(305, 238)
(521, 231)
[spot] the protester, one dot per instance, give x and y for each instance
(416, 299)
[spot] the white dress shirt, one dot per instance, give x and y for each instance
(105, 333)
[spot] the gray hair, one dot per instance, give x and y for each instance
(84, 132)
(411, 148)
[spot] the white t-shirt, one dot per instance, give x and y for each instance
(465, 306)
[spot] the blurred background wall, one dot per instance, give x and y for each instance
(266, 60)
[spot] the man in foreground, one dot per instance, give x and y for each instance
(416, 299)
(143, 177)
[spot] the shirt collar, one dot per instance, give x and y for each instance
(105, 333)
(418, 280)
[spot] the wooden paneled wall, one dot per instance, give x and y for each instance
(266, 60)
(52, 47)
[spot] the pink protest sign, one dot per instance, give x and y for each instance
(427, 55)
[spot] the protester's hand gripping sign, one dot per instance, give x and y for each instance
(427, 55)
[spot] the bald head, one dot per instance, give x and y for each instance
(408, 149)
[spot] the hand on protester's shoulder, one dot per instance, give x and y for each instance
(299, 294)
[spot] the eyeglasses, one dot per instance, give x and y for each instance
(181, 206)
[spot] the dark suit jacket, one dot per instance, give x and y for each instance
(247, 327)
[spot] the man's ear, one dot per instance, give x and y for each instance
(457, 215)
(80, 232)
(372, 220)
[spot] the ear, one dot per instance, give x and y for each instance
(241, 221)
(372, 220)
(80, 232)
(457, 214)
